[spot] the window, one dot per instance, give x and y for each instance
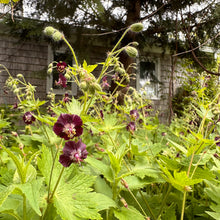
(60, 55)
(148, 77)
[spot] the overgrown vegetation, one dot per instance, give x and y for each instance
(91, 158)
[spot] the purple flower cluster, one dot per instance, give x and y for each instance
(134, 115)
(67, 127)
(28, 118)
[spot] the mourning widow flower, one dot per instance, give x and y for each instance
(131, 127)
(28, 118)
(134, 114)
(68, 126)
(62, 81)
(61, 66)
(73, 153)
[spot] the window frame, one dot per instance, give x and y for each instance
(61, 91)
(157, 62)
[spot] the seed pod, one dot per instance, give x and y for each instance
(57, 36)
(120, 70)
(137, 27)
(131, 51)
(49, 71)
(84, 86)
(49, 30)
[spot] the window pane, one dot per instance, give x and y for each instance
(149, 78)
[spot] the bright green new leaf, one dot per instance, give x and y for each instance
(4, 1)
(89, 68)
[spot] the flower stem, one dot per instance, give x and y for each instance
(51, 172)
(148, 206)
(24, 207)
(73, 53)
(183, 206)
(137, 203)
(57, 183)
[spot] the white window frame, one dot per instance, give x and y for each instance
(156, 60)
(60, 91)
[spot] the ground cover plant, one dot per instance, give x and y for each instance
(91, 158)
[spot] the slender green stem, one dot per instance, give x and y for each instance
(51, 172)
(57, 183)
(120, 40)
(164, 200)
(73, 53)
(148, 206)
(137, 202)
(24, 207)
(183, 206)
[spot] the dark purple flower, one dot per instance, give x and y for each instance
(66, 98)
(216, 155)
(134, 114)
(73, 153)
(101, 114)
(105, 82)
(68, 126)
(15, 106)
(217, 139)
(131, 127)
(61, 66)
(62, 81)
(28, 118)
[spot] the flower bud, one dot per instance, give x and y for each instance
(57, 36)
(49, 71)
(49, 30)
(131, 51)
(137, 27)
(135, 44)
(19, 75)
(120, 70)
(84, 86)
(96, 87)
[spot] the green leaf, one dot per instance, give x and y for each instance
(101, 186)
(74, 107)
(215, 215)
(4, 1)
(45, 165)
(18, 164)
(89, 68)
(5, 192)
(179, 147)
(32, 193)
(128, 213)
(73, 200)
(101, 167)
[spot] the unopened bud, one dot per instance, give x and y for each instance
(120, 70)
(49, 71)
(137, 27)
(84, 86)
(57, 36)
(124, 183)
(124, 202)
(19, 75)
(131, 51)
(49, 30)
(96, 87)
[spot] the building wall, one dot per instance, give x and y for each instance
(27, 58)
